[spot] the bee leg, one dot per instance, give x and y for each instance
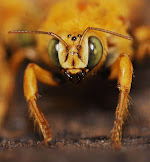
(142, 35)
(8, 72)
(125, 71)
(32, 74)
(19, 56)
(6, 86)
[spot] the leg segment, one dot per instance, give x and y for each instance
(125, 71)
(6, 85)
(8, 71)
(32, 73)
(19, 56)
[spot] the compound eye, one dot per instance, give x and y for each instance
(95, 51)
(53, 51)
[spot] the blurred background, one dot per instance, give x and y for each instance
(74, 113)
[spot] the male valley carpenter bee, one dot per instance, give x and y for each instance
(82, 37)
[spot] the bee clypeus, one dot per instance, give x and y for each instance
(78, 39)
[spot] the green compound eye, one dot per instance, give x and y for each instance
(53, 51)
(95, 51)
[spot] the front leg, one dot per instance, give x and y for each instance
(32, 73)
(125, 71)
(8, 72)
(6, 86)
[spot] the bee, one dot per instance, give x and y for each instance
(81, 37)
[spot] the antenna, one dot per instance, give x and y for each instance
(39, 32)
(102, 30)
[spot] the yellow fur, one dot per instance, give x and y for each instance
(17, 15)
(69, 17)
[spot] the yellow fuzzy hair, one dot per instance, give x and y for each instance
(68, 17)
(17, 15)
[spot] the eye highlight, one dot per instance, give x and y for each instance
(95, 51)
(53, 51)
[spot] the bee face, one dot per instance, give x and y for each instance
(75, 62)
